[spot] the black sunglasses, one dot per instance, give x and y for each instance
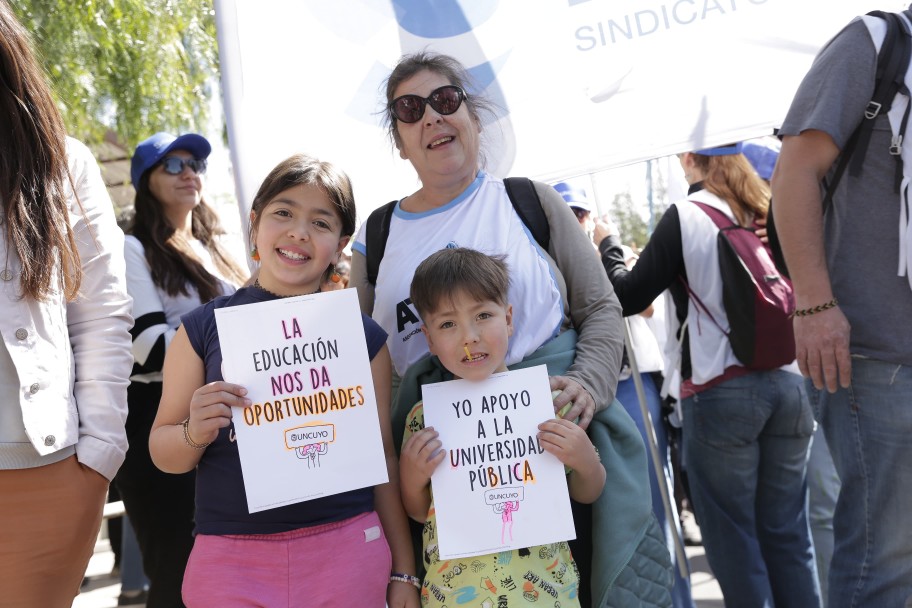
(445, 101)
(175, 166)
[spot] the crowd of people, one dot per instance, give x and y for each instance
(796, 470)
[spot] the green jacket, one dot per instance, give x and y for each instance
(622, 515)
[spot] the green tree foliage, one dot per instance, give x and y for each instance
(659, 194)
(626, 215)
(130, 66)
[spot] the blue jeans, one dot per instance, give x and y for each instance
(132, 577)
(626, 394)
(823, 490)
(745, 448)
(869, 430)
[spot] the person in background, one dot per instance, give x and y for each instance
(461, 295)
(649, 362)
(746, 432)
(65, 352)
(563, 303)
(175, 262)
(343, 268)
(762, 155)
(579, 203)
(134, 586)
(336, 280)
(823, 480)
(347, 549)
(851, 265)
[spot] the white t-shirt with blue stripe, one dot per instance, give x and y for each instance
(480, 218)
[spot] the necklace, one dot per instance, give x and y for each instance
(256, 283)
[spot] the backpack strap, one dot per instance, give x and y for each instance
(377, 232)
(906, 51)
(892, 64)
(889, 78)
(528, 207)
(700, 305)
(722, 222)
(523, 197)
(719, 218)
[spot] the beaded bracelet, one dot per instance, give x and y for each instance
(806, 312)
(405, 578)
(189, 440)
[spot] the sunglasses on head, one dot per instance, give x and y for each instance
(410, 108)
(175, 166)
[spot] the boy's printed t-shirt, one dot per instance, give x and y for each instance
(511, 578)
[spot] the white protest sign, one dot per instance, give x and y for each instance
(313, 428)
(497, 489)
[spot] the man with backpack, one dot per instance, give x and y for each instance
(850, 259)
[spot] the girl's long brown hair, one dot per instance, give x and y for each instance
(33, 170)
(731, 178)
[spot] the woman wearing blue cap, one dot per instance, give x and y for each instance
(175, 262)
(746, 430)
(579, 204)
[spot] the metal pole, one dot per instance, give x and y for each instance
(649, 196)
(595, 197)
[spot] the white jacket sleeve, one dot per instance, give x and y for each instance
(98, 320)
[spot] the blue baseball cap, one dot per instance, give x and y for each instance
(762, 156)
(151, 150)
(575, 197)
(721, 150)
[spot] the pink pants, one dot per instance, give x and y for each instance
(345, 563)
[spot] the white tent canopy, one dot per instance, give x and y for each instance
(583, 85)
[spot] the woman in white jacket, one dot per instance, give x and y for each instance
(65, 353)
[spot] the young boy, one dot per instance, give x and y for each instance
(461, 296)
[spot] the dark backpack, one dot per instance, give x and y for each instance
(758, 300)
(892, 64)
(522, 195)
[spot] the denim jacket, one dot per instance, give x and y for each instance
(73, 358)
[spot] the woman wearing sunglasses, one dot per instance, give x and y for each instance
(175, 262)
(435, 122)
